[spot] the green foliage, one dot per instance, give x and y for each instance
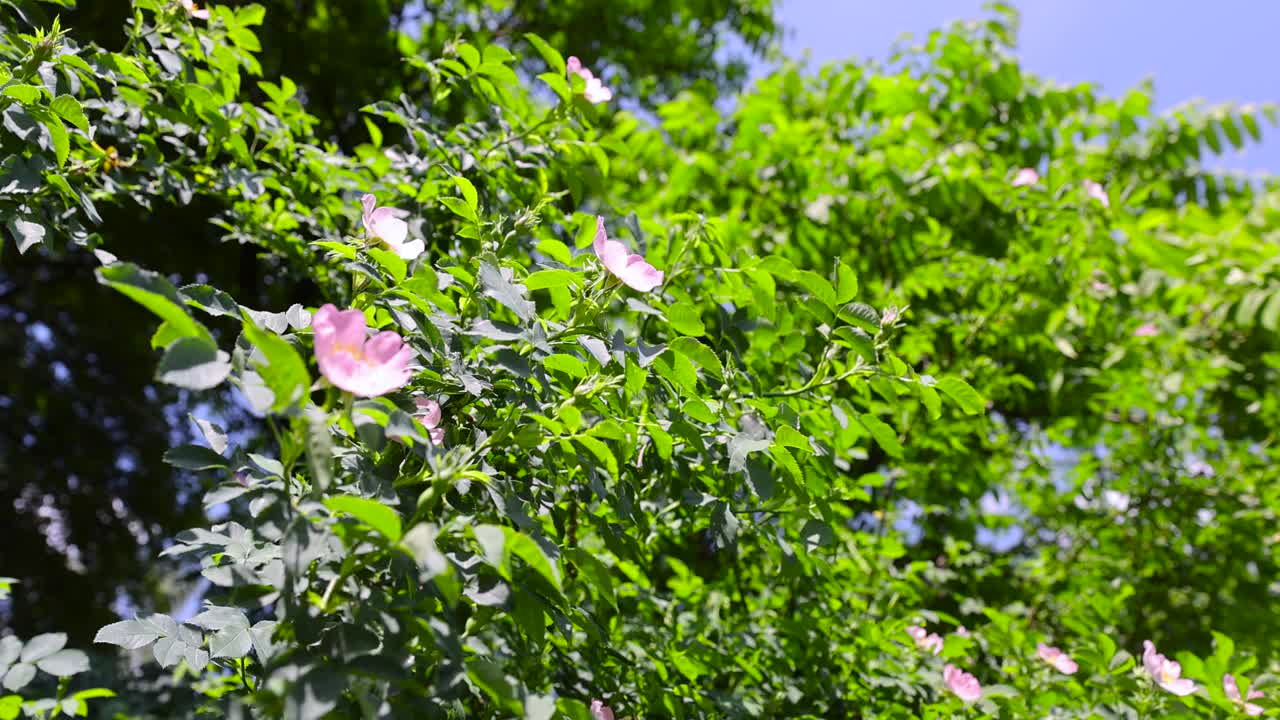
(741, 494)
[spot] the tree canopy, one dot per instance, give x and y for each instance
(516, 359)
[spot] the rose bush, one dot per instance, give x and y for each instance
(871, 355)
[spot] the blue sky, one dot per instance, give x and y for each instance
(1220, 51)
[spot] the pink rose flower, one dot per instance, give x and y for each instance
(381, 223)
(964, 685)
(1146, 330)
(1058, 659)
(1026, 176)
(600, 711)
(926, 640)
(1097, 192)
(352, 361)
(429, 415)
(1232, 690)
(595, 92)
(630, 269)
(1166, 672)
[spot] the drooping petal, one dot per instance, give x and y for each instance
(385, 226)
(640, 275)
(367, 204)
(411, 249)
(436, 435)
(428, 411)
(1151, 660)
(1230, 687)
(1179, 686)
(596, 92)
(630, 269)
(612, 254)
(573, 64)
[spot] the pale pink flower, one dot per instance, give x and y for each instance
(1058, 659)
(1097, 192)
(1026, 176)
(1099, 286)
(429, 415)
(352, 361)
(1146, 330)
(1232, 690)
(630, 269)
(193, 10)
(963, 631)
(595, 92)
(964, 685)
(600, 711)
(926, 640)
(381, 223)
(1167, 673)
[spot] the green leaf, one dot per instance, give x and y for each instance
(595, 572)
(391, 262)
(970, 402)
(548, 53)
(788, 436)
(602, 453)
(193, 363)
(885, 436)
(700, 354)
(319, 449)
(846, 284)
(155, 293)
(511, 295)
(684, 318)
(460, 208)
(58, 136)
(25, 94)
(372, 513)
(134, 634)
(64, 663)
(284, 371)
(861, 315)
(818, 286)
(195, 457)
(234, 641)
(699, 411)
(489, 677)
(42, 646)
(468, 192)
(26, 232)
(525, 548)
(213, 434)
(18, 676)
(566, 364)
(68, 108)
(553, 278)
